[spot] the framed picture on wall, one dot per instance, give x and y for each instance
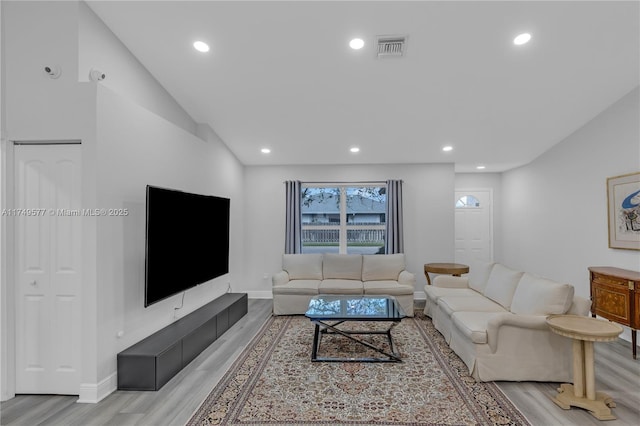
(623, 198)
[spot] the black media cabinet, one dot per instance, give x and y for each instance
(153, 361)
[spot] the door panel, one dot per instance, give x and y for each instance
(48, 253)
(66, 244)
(31, 196)
(473, 225)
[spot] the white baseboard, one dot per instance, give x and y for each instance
(5, 396)
(259, 294)
(91, 393)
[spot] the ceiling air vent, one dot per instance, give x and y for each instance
(391, 46)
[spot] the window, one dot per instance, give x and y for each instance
(467, 202)
(343, 218)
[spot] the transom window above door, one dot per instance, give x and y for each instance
(467, 202)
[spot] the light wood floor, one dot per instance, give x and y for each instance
(616, 374)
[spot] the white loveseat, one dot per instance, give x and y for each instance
(494, 320)
(306, 275)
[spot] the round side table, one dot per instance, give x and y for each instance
(455, 269)
(584, 331)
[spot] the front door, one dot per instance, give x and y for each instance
(473, 225)
(48, 259)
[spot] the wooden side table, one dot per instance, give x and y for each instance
(584, 331)
(455, 269)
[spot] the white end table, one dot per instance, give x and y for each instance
(584, 331)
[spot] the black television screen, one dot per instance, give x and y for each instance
(187, 241)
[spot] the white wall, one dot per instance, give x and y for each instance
(100, 49)
(4, 318)
(37, 34)
(126, 144)
(428, 214)
(144, 137)
(135, 147)
(555, 208)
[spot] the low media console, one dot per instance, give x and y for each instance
(153, 361)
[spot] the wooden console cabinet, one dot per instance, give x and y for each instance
(615, 295)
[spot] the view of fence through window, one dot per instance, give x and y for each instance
(343, 219)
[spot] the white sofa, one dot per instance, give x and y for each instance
(494, 320)
(306, 275)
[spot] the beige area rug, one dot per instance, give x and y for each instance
(274, 382)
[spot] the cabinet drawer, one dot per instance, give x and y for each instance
(615, 295)
(612, 302)
(609, 280)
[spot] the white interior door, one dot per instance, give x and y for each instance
(47, 238)
(473, 225)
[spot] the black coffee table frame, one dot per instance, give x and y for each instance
(326, 328)
(328, 323)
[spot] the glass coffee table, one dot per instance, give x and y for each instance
(329, 312)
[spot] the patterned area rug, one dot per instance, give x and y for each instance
(273, 382)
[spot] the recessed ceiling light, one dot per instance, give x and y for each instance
(201, 46)
(356, 43)
(522, 39)
(447, 148)
(481, 167)
(265, 150)
(354, 149)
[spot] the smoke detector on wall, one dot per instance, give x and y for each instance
(96, 75)
(53, 71)
(391, 46)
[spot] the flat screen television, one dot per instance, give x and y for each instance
(187, 241)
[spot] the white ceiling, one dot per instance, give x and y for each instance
(281, 75)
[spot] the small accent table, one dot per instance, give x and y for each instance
(455, 269)
(584, 331)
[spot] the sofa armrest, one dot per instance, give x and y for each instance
(450, 281)
(524, 322)
(580, 306)
(407, 278)
(280, 278)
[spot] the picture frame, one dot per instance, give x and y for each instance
(623, 199)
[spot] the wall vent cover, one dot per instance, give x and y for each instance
(391, 46)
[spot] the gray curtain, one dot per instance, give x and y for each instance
(395, 239)
(293, 228)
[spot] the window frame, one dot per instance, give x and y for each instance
(343, 226)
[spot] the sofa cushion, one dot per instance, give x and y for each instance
(540, 296)
(297, 287)
(391, 288)
(337, 286)
(478, 276)
(303, 266)
(502, 284)
(382, 266)
(450, 304)
(473, 325)
(434, 293)
(342, 266)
